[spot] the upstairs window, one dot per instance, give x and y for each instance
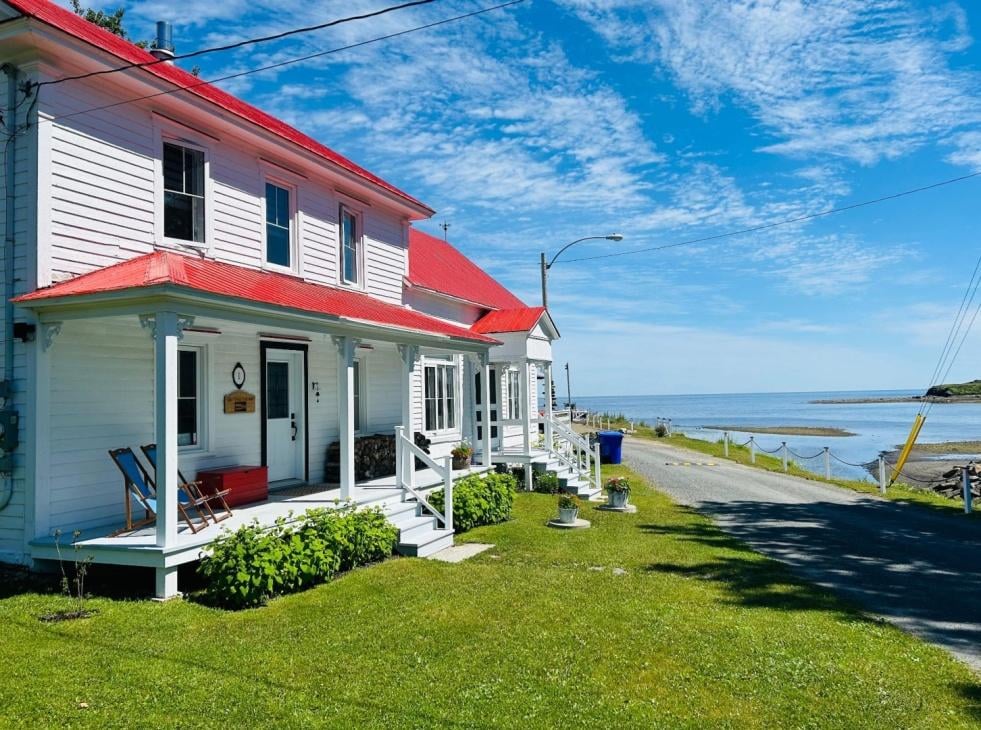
(183, 182)
(440, 397)
(279, 239)
(350, 247)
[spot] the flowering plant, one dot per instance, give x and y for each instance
(618, 484)
(462, 450)
(568, 501)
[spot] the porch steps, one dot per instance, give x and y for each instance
(572, 484)
(419, 535)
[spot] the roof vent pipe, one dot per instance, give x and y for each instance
(163, 45)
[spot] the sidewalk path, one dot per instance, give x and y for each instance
(918, 569)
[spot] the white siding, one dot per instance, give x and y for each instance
(103, 192)
(444, 308)
(383, 381)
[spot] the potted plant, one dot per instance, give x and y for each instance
(568, 509)
(618, 492)
(461, 454)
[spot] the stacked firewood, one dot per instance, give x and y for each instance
(374, 456)
(952, 484)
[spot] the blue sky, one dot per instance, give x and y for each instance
(665, 120)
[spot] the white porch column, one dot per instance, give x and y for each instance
(485, 409)
(547, 366)
(409, 354)
(345, 411)
(523, 398)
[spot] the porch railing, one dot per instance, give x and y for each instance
(406, 453)
(571, 449)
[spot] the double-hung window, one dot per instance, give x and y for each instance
(350, 247)
(184, 198)
(279, 217)
(514, 394)
(440, 397)
(190, 394)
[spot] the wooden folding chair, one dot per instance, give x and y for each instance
(140, 489)
(194, 489)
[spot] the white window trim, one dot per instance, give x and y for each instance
(165, 131)
(294, 267)
(362, 397)
(359, 243)
(204, 401)
(457, 405)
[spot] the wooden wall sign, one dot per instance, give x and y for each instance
(238, 401)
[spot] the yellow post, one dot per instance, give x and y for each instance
(908, 447)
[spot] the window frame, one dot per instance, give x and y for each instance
(201, 397)
(294, 248)
(514, 394)
(361, 425)
(359, 256)
(443, 399)
(166, 132)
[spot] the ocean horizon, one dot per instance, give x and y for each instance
(877, 426)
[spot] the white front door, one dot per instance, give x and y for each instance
(285, 410)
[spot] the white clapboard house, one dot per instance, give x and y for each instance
(181, 268)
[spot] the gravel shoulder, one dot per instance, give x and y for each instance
(914, 568)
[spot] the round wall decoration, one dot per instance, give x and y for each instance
(238, 375)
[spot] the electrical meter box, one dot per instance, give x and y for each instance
(8, 431)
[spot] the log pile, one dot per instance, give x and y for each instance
(374, 456)
(952, 484)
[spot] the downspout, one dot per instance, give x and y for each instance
(9, 159)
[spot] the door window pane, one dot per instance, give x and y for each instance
(183, 183)
(188, 384)
(277, 390)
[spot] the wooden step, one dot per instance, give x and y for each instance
(426, 543)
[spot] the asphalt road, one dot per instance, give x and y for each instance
(918, 569)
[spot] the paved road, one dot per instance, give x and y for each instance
(920, 570)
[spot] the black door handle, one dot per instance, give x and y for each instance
(293, 425)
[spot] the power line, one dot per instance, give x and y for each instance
(238, 44)
(787, 222)
(287, 62)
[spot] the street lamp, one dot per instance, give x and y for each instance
(548, 265)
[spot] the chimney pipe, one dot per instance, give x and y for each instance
(163, 46)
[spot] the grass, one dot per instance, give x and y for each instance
(650, 620)
(898, 492)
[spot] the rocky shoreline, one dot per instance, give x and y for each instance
(900, 399)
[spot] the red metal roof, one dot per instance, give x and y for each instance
(163, 268)
(72, 24)
(434, 264)
(509, 320)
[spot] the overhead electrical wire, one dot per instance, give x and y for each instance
(238, 44)
(775, 224)
(286, 62)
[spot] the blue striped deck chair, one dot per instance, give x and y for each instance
(140, 489)
(214, 502)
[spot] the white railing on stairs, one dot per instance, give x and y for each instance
(406, 453)
(571, 449)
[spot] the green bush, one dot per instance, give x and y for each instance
(254, 563)
(546, 482)
(660, 430)
(479, 500)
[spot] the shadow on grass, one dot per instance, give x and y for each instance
(971, 693)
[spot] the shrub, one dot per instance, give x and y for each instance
(660, 430)
(479, 500)
(546, 482)
(254, 563)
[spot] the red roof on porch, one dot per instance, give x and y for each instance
(509, 320)
(436, 265)
(70, 23)
(163, 268)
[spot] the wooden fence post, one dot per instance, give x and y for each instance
(784, 455)
(752, 450)
(966, 484)
(827, 463)
(882, 474)
(725, 443)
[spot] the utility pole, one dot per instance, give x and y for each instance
(544, 282)
(568, 387)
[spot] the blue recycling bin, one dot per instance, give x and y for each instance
(611, 445)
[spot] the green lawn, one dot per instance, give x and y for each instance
(649, 620)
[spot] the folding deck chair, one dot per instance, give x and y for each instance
(140, 489)
(194, 488)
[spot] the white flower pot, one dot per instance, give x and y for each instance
(568, 515)
(617, 500)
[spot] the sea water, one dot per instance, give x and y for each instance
(878, 426)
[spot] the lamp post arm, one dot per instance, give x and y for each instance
(562, 250)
